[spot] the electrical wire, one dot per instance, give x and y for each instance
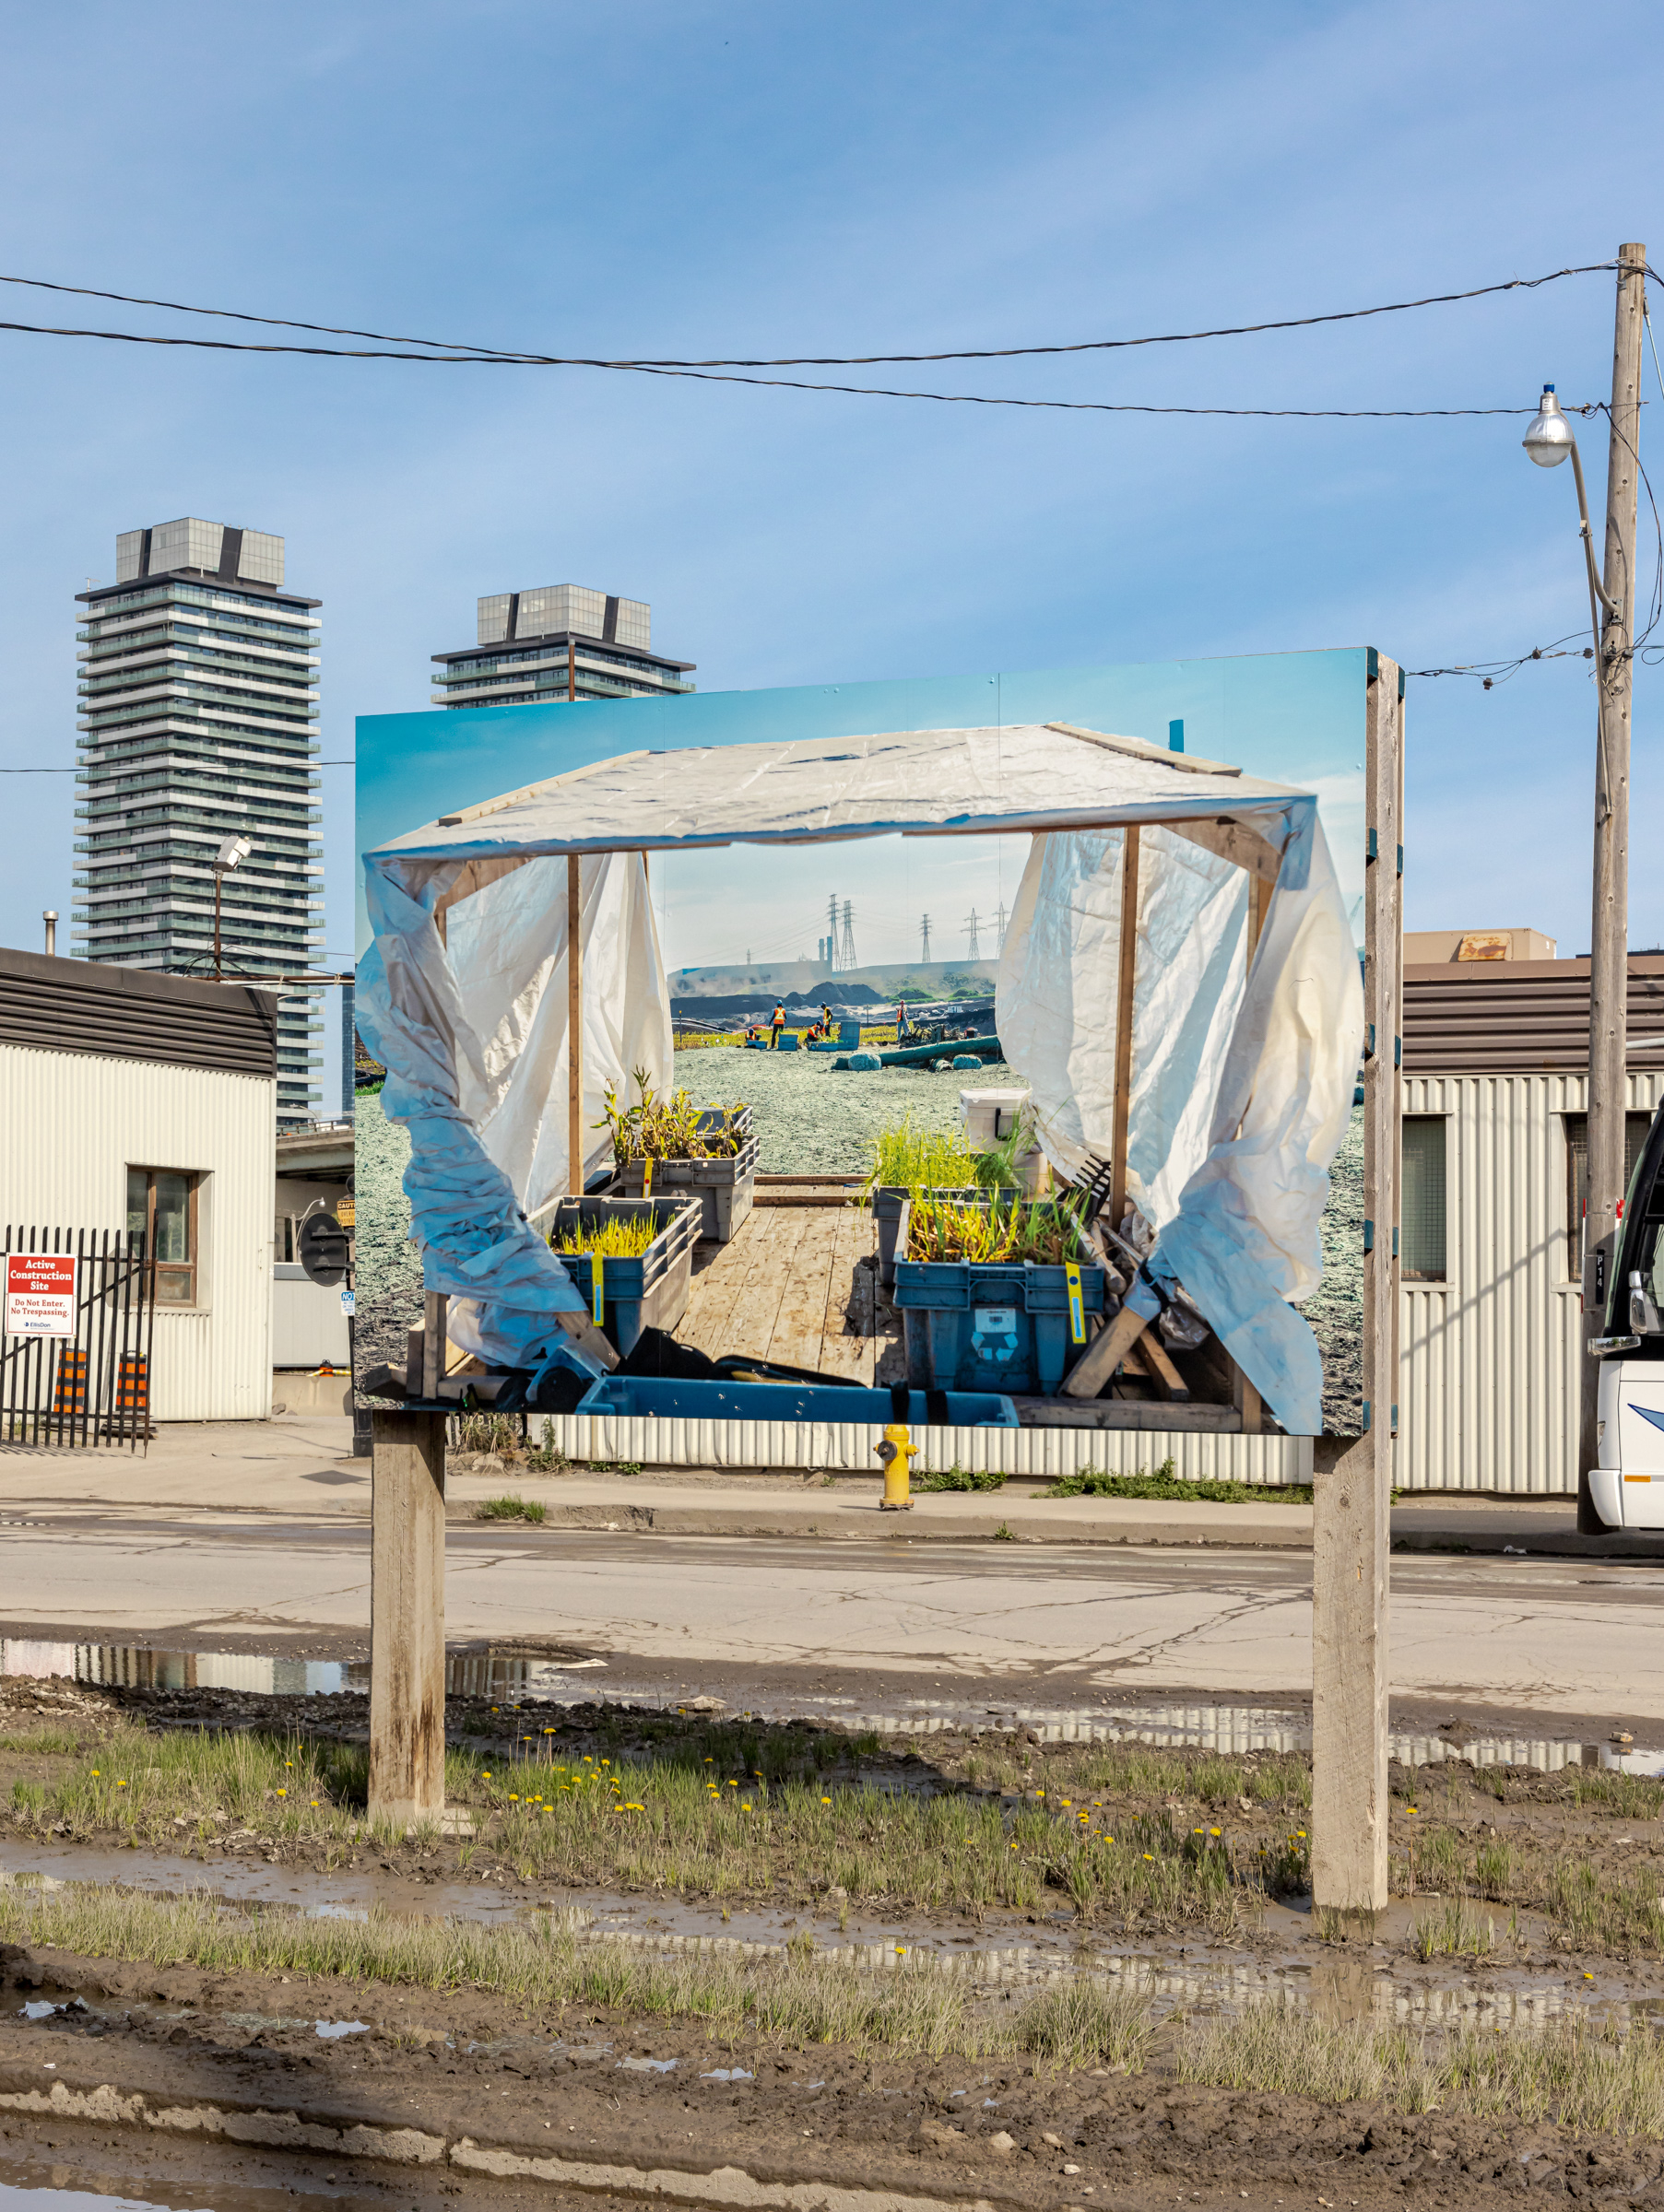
(808, 360)
(783, 383)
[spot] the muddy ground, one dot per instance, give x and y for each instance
(195, 2087)
(598, 2088)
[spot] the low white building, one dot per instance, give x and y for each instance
(309, 1325)
(138, 1102)
(1495, 1096)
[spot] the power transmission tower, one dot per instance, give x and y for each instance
(846, 952)
(925, 937)
(999, 941)
(975, 951)
(832, 933)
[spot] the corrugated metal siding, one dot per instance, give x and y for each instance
(816, 1446)
(1489, 1381)
(74, 1124)
(55, 1005)
(1516, 1017)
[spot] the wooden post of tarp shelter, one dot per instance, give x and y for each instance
(574, 1025)
(1349, 1501)
(408, 1618)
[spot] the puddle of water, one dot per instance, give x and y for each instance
(330, 2029)
(727, 2074)
(648, 2065)
(1230, 1729)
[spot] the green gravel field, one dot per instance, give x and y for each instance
(811, 1116)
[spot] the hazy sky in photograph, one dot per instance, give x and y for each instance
(693, 181)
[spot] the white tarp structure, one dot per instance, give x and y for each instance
(1242, 1077)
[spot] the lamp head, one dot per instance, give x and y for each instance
(234, 850)
(1549, 440)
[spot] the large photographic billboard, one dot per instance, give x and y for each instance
(938, 1027)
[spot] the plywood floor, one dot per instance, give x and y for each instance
(790, 1286)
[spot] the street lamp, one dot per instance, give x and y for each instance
(1547, 442)
(231, 853)
(1612, 618)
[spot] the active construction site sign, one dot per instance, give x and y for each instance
(40, 1294)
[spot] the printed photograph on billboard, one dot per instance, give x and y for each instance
(975, 1058)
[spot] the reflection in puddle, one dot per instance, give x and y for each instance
(1231, 1730)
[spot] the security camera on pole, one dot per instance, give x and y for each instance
(1547, 442)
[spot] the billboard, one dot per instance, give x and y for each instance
(803, 961)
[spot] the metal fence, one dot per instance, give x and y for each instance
(90, 1386)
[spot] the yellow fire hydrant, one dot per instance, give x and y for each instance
(894, 1454)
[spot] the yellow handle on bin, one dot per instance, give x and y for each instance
(1077, 1304)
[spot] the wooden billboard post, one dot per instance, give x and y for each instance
(408, 1618)
(1350, 1521)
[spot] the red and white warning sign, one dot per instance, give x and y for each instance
(39, 1293)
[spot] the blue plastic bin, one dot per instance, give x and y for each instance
(982, 1325)
(650, 1292)
(787, 1401)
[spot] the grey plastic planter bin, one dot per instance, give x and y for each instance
(887, 1202)
(724, 1188)
(648, 1292)
(990, 1324)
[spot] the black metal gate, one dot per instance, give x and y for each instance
(91, 1387)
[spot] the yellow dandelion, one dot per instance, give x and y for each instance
(1214, 1831)
(283, 1792)
(121, 1786)
(826, 1800)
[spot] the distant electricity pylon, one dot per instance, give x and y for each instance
(847, 950)
(975, 951)
(999, 941)
(832, 933)
(925, 937)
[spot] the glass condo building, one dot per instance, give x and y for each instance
(562, 641)
(199, 699)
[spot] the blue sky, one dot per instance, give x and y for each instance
(746, 178)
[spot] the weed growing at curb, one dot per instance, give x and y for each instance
(510, 1508)
(959, 1479)
(1092, 1482)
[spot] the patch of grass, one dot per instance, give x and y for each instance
(1451, 1931)
(959, 1479)
(1089, 2023)
(1092, 1482)
(1005, 1534)
(1593, 1913)
(46, 1742)
(499, 1433)
(28, 1797)
(510, 1508)
(1610, 1790)
(1605, 2079)
(799, 1998)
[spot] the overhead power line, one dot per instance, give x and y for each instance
(814, 360)
(727, 370)
(784, 383)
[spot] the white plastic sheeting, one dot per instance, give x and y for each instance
(1242, 1085)
(472, 1028)
(1242, 1081)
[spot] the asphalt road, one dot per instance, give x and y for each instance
(1549, 1637)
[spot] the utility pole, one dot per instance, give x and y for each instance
(925, 937)
(975, 951)
(1608, 946)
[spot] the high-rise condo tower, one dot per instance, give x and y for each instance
(561, 642)
(199, 694)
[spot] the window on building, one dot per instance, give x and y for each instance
(1422, 1216)
(1636, 1126)
(162, 1209)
